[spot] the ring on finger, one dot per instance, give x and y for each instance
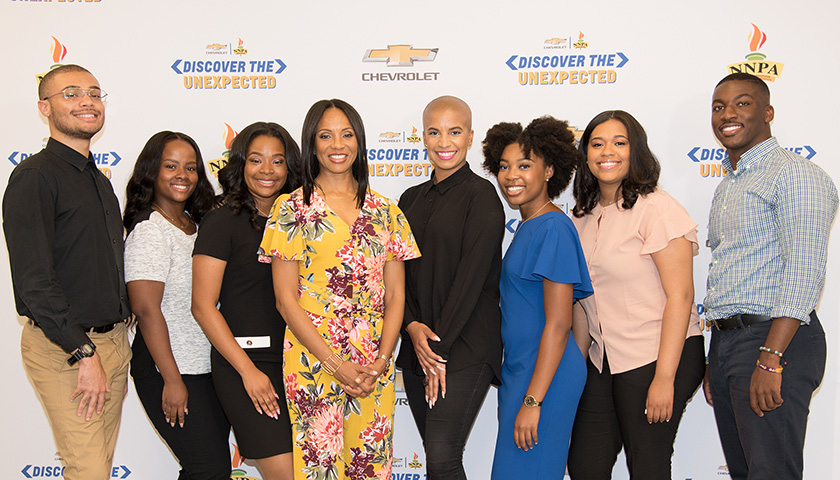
(425, 381)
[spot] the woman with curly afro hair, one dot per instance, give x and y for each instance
(543, 274)
(647, 357)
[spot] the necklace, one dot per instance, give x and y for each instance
(266, 215)
(530, 217)
(535, 213)
(182, 227)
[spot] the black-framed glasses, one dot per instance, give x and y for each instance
(75, 93)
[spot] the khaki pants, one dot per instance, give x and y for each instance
(87, 448)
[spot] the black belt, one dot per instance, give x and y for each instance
(739, 321)
(102, 329)
(745, 320)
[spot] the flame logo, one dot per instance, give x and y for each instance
(580, 35)
(238, 459)
(230, 134)
(240, 42)
(415, 457)
(58, 51)
(756, 38)
(413, 130)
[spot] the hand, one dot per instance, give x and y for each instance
(707, 388)
(525, 427)
(765, 391)
(174, 402)
(373, 372)
(420, 334)
(436, 384)
(262, 393)
(351, 376)
(92, 386)
(659, 405)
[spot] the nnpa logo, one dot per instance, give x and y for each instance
(709, 158)
(756, 63)
(570, 68)
(403, 55)
(216, 164)
(233, 74)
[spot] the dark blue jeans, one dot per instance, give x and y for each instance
(770, 446)
(445, 428)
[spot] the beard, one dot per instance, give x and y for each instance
(66, 125)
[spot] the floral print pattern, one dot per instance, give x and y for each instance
(341, 287)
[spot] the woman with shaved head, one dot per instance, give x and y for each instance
(451, 350)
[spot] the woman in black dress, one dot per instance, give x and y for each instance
(246, 330)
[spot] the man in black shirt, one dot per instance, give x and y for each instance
(64, 233)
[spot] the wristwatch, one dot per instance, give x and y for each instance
(530, 401)
(85, 351)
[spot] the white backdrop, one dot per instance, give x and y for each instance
(509, 61)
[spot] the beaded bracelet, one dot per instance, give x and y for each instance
(774, 352)
(332, 363)
(768, 368)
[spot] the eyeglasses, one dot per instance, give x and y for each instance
(75, 93)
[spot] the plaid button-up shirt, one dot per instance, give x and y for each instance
(768, 230)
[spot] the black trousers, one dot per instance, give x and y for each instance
(445, 428)
(611, 414)
(202, 445)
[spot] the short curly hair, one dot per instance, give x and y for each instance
(547, 137)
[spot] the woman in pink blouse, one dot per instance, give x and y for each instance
(646, 356)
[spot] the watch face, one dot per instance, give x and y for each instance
(87, 350)
(531, 401)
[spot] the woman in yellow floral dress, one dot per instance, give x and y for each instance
(337, 251)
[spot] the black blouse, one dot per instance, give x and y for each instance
(454, 287)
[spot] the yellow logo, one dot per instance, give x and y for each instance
(240, 50)
(413, 138)
(389, 135)
(216, 46)
(414, 463)
(400, 55)
(555, 41)
(756, 63)
(580, 43)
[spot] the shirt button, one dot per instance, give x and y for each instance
(113, 241)
(107, 212)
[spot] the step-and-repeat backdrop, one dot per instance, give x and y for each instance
(210, 68)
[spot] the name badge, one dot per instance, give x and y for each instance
(254, 342)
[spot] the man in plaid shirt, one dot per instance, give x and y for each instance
(768, 230)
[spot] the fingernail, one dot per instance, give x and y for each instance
(437, 339)
(441, 367)
(443, 394)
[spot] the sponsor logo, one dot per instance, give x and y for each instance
(413, 138)
(756, 63)
(580, 44)
(216, 164)
(229, 74)
(723, 470)
(58, 52)
(408, 476)
(398, 462)
(399, 56)
(710, 158)
(570, 68)
(415, 463)
(56, 471)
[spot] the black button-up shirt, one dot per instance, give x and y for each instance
(454, 287)
(65, 238)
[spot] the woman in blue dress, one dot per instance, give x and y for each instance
(543, 273)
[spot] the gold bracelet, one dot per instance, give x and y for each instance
(384, 357)
(332, 363)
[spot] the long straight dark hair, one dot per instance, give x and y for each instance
(310, 168)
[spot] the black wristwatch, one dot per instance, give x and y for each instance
(85, 351)
(530, 401)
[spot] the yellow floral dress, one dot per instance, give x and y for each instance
(341, 289)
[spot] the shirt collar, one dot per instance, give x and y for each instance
(444, 185)
(68, 154)
(751, 156)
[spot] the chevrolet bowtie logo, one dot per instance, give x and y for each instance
(400, 55)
